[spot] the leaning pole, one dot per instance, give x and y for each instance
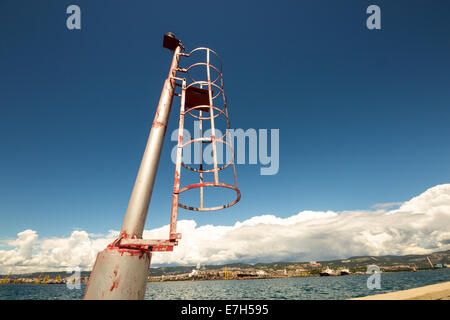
(121, 272)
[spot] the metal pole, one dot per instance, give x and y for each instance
(133, 224)
(121, 273)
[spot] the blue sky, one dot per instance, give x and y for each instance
(363, 114)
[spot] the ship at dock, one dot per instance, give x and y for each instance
(327, 272)
(344, 272)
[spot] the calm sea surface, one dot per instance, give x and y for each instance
(289, 288)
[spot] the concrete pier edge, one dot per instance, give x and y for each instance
(439, 291)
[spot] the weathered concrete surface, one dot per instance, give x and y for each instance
(440, 291)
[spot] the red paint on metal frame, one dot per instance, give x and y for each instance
(135, 252)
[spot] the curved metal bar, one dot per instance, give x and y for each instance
(205, 83)
(210, 184)
(206, 49)
(219, 74)
(221, 111)
(210, 170)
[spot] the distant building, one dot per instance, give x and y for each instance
(314, 264)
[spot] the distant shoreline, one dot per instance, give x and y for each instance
(221, 279)
(273, 270)
(285, 277)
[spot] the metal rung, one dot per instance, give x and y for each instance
(162, 248)
(175, 236)
(146, 243)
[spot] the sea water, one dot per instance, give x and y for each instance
(309, 288)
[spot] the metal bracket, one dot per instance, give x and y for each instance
(150, 245)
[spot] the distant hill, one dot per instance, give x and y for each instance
(419, 261)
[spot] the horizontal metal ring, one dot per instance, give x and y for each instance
(210, 184)
(219, 76)
(207, 83)
(207, 49)
(220, 111)
(210, 170)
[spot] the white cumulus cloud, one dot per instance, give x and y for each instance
(420, 225)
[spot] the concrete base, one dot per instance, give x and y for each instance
(440, 291)
(119, 274)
